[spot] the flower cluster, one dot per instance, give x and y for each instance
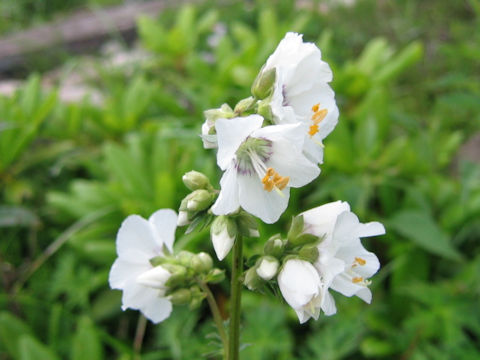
(268, 143)
(272, 141)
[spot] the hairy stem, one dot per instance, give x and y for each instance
(235, 301)
(217, 318)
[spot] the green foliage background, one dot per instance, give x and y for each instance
(407, 82)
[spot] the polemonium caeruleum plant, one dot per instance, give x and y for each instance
(268, 143)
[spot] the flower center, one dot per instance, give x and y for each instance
(251, 157)
(317, 117)
(358, 279)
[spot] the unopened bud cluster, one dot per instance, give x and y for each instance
(180, 276)
(277, 251)
(197, 203)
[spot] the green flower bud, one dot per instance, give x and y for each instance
(215, 276)
(296, 227)
(247, 225)
(197, 297)
(195, 180)
(274, 246)
(224, 112)
(252, 280)
(304, 239)
(202, 262)
(309, 253)
(244, 105)
(180, 297)
(265, 110)
(185, 258)
(178, 277)
(199, 200)
(263, 85)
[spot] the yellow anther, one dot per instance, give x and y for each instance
(357, 280)
(282, 183)
(315, 107)
(313, 130)
(319, 116)
(360, 261)
(273, 180)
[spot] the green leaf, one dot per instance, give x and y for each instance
(11, 329)
(86, 343)
(419, 227)
(32, 349)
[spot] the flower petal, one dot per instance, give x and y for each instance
(321, 220)
(164, 223)
(266, 205)
(136, 234)
(231, 133)
(370, 229)
(222, 243)
(227, 201)
(122, 271)
(328, 305)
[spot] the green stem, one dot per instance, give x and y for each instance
(235, 301)
(217, 318)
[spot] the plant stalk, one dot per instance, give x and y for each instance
(235, 300)
(217, 318)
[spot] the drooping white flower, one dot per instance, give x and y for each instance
(302, 288)
(222, 238)
(260, 164)
(344, 264)
(301, 91)
(139, 241)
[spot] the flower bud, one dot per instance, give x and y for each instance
(185, 258)
(180, 297)
(179, 274)
(252, 280)
(224, 112)
(244, 105)
(156, 278)
(215, 276)
(309, 253)
(267, 267)
(247, 225)
(296, 227)
(223, 232)
(264, 109)
(195, 180)
(197, 297)
(202, 262)
(182, 219)
(263, 85)
(274, 246)
(304, 239)
(209, 136)
(199, 200)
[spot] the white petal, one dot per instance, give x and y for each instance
(154, 278)
(370, 229)
(266, 205)
(164, 222)
(299, 283)
(344, 285)
(287, 161)
(328, 306)
(292, 133)
(222, 243)
(345, 228)
(227, 201)
(365, 294)
(135, 240)
(321, 220)
(231, 133)
(122, 271)
(267, 269)
(355, 250)
(303, 317)
(147, 300)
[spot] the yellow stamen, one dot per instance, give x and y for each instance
(273, 180)
(360, 261)
(357, 280)
(317, 117)
(313, 129)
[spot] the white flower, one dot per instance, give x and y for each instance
(301, 288)
(222, 242)
(267, 268)
(138, 241)
(260, 164)
(301, 91)
(343, 263)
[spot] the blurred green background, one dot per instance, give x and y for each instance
(405, 152)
